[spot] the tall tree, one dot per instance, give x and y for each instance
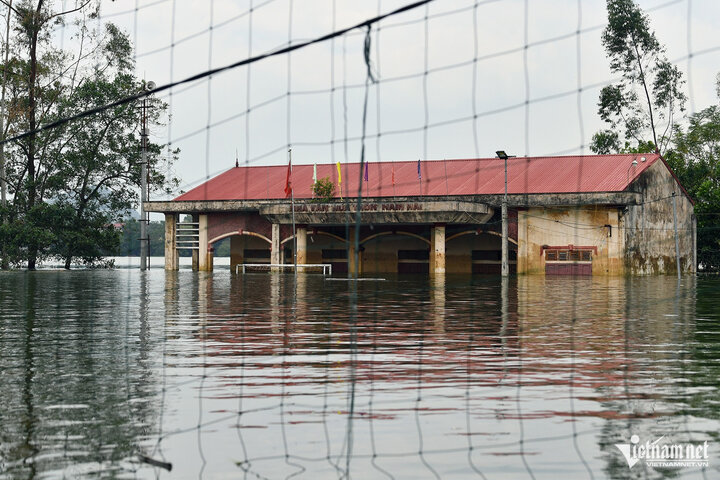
(71, 183)
(102, 157)
(695, 158)
(33, 24)
(3, 183)
(641, 108)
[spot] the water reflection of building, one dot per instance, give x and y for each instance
(612, 345)
(542, 319)
(279, 314)
(622, 345)
(599, 215)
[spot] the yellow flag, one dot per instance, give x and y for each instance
(339, 179)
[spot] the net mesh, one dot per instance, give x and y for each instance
(342, 82)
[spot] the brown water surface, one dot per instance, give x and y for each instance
(269, 376)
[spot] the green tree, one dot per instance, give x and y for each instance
(33, 27)
(129, 245)
(323, 189)
(641, 108)
(101, 155)
(87, 171)
(695, 159)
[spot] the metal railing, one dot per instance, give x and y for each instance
(326, 267)
(187, 235)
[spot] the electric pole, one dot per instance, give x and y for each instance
(144, 240)
(504, 267)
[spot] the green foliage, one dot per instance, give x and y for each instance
(222, 247)
(129, 245)
(696, 161)
(67, 185)
(642, 106)
(324, 190)
(605, 142)
(641, 109)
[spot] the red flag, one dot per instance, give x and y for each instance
(288, 183)
(393, 175)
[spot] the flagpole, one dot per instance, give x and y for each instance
(292, 201)
(419, 177)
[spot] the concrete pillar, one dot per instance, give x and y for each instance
(203, 243)
(237, 247)
(522, 246)
(275, 245)
(210, 257)
(172, 261)
(437, 250)
(301, 239)
(195, 252)
(431, 256)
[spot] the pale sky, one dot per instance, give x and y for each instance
(560, 120)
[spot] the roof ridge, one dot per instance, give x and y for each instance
(388, 162)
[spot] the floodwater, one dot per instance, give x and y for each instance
(266, 376)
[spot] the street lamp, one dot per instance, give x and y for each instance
(504, 270)
(627, 173)
(144, 240)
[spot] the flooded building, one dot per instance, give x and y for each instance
(580, 215)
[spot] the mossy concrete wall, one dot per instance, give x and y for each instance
(648, 227)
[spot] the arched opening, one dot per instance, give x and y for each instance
(478, 251)
(395, 252)
(327, 247)
(242, 247)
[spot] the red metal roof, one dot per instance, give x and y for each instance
(483, 176)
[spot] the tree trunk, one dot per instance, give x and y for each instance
(3, 185)
(647, 94)
(32, 104)
(68, 261)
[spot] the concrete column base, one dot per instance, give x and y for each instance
(195, 252)
(172, 260)
(301, 242)
(203, 264)
(237, 247)
(275, 254)
(210, 257)
(437, 250)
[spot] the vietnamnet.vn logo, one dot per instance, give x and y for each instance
(656, 454)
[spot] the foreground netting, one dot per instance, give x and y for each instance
(292, 376)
